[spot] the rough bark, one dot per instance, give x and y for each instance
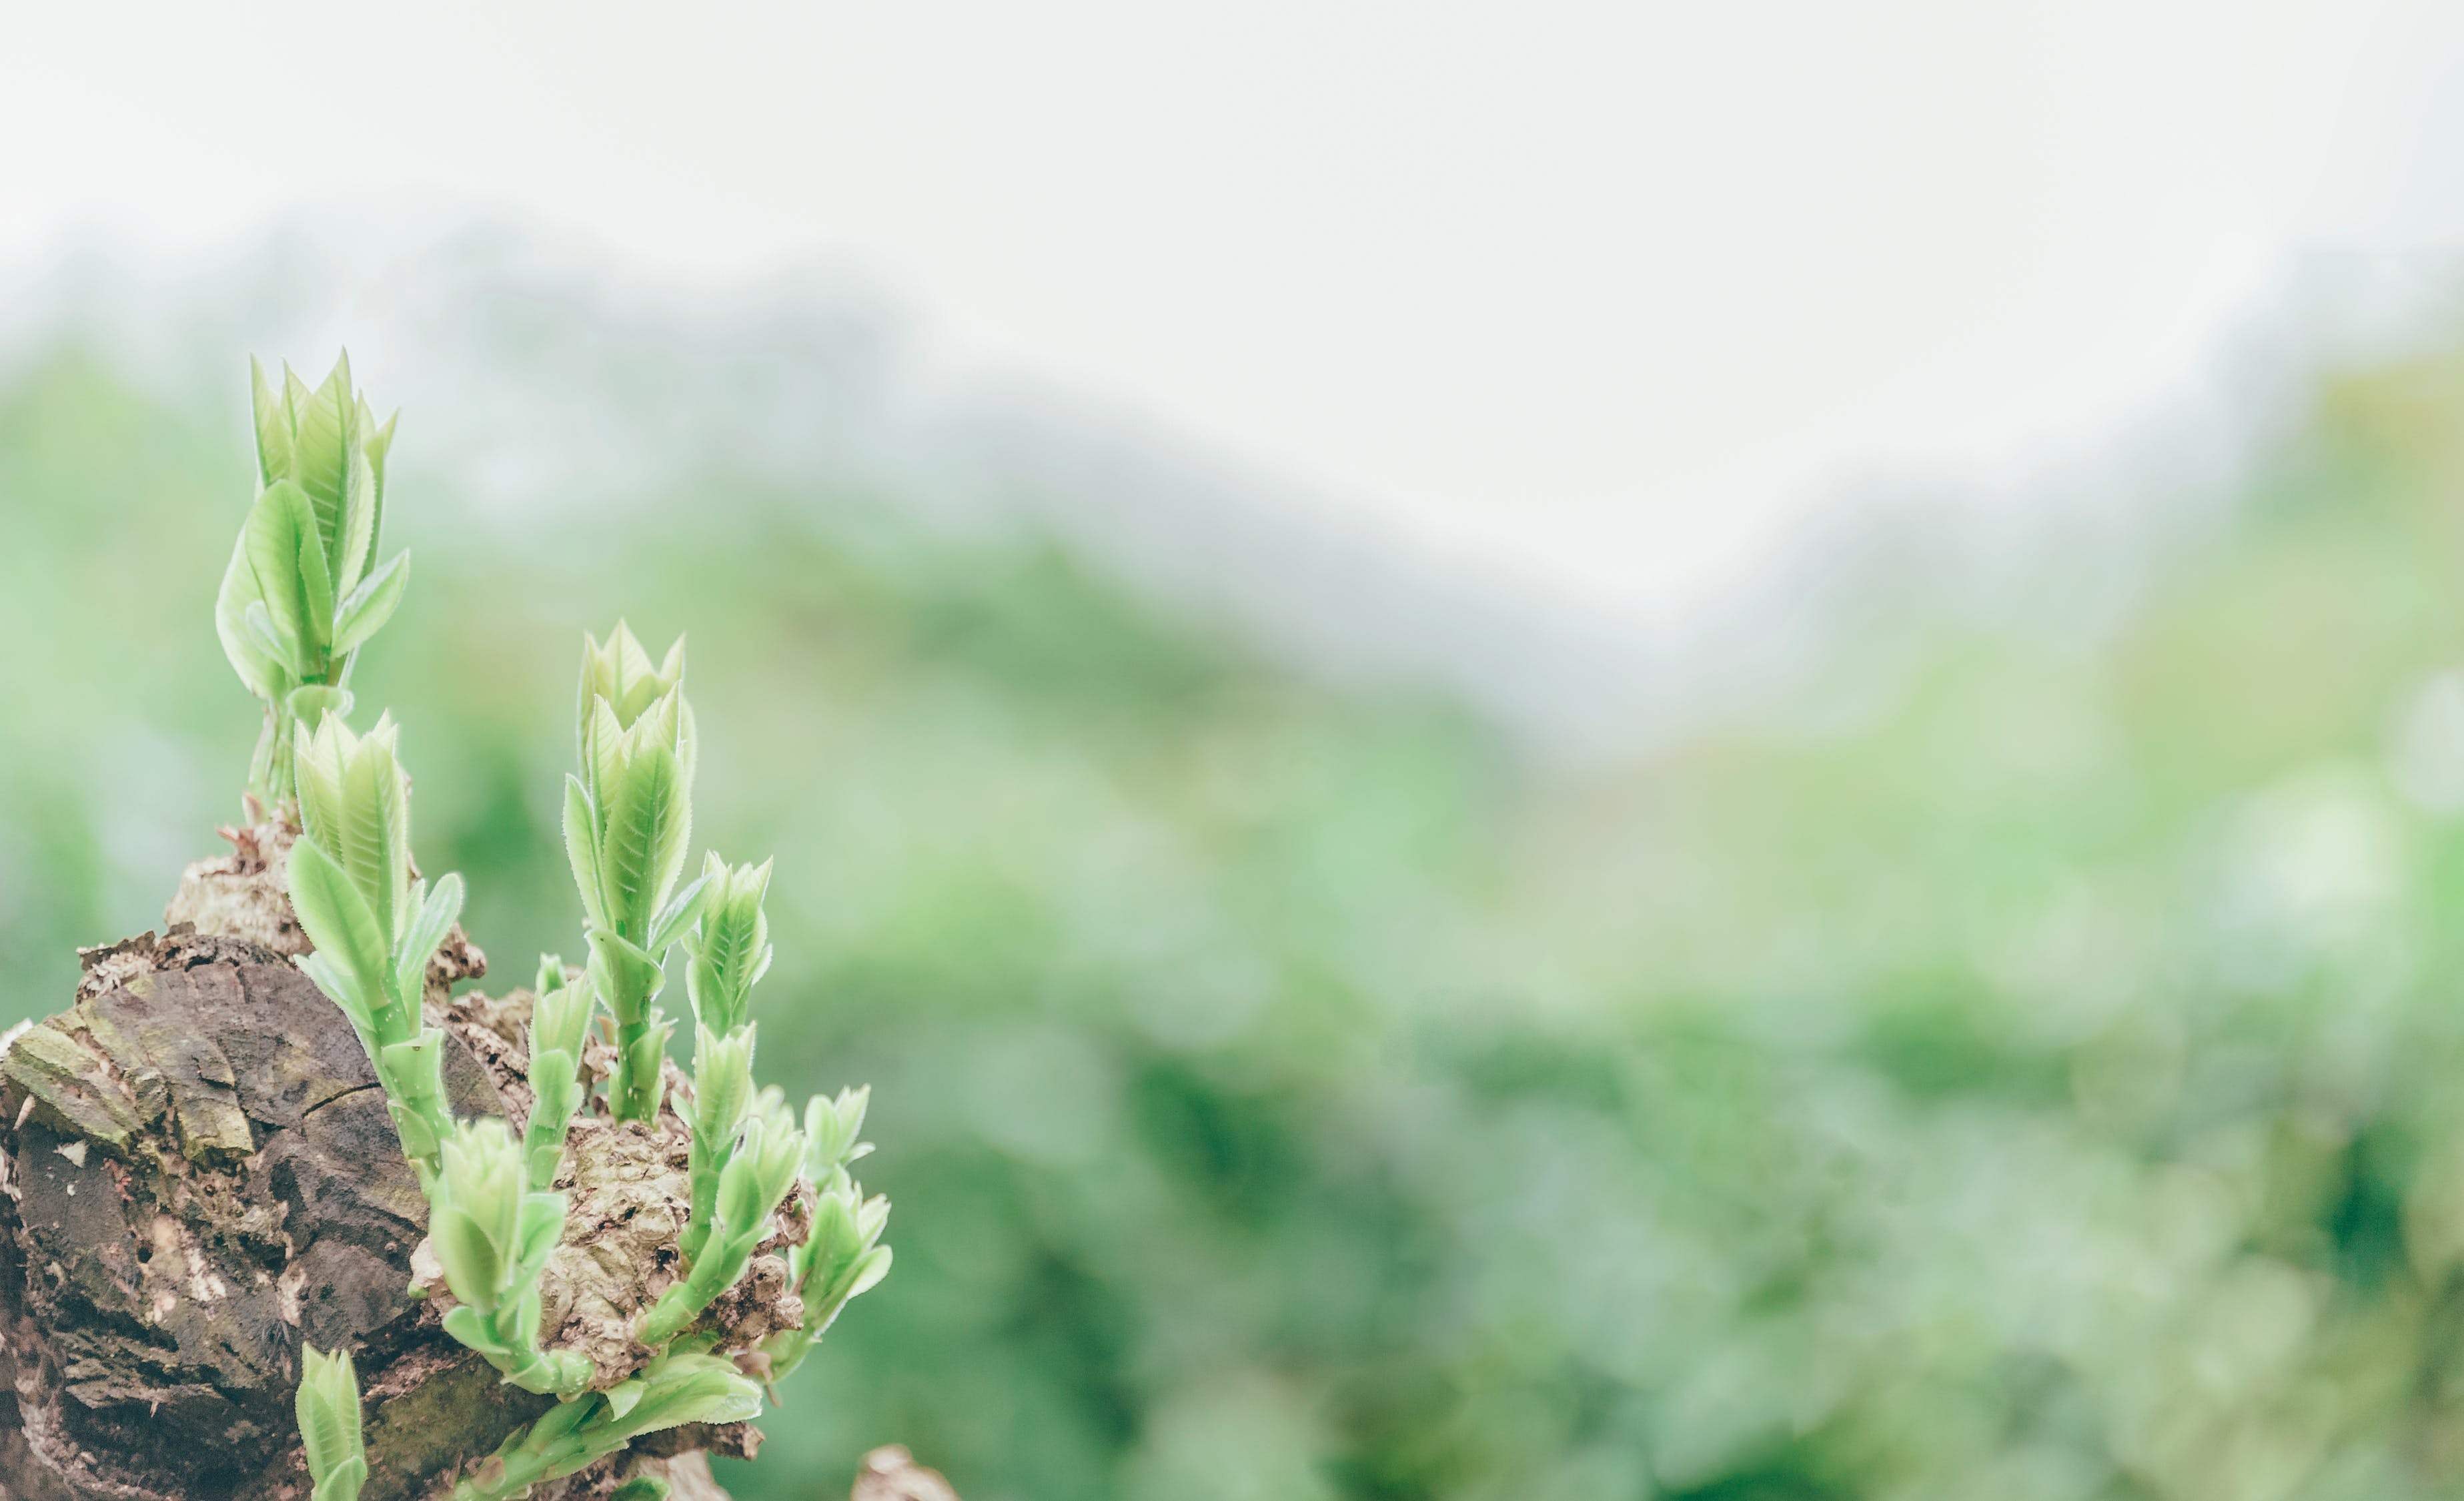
(198, 1176)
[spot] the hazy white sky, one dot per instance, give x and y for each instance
(1597, 292)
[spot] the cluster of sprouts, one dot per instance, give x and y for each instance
(298, 602)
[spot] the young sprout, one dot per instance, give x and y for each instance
(493, 1234)
(374, 927)
(844, 1255)
(328, 1407)
(728, 951)
(303, 591)
(673, 1390)
(757, 1178)
(628, 821)
(723, 1095)
(560, 1017)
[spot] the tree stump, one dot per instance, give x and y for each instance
(198, 1176)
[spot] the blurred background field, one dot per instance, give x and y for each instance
(1567, 750)
(2017, 1057)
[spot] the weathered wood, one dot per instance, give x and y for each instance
(202, 1177)
(198, 1176)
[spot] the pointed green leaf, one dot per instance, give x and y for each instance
(554, 1095)
(543, 1222)
(317, 765)
(380, 443)
(342, 988)
(272, 426)
(466, 1324)
(316, 597)
(296, 397)
(688, 742)
(335, 917)
(351, 549)
(560, 1019)
(619, 951)
(427, 930)
(343, 1482)
(869, 1273)
(582, 850)
(420, 1141)
(690, 1388)
(645, 820)
(602, 750)
(325, 443)
(679, 916)
(265, 633)
(371, 605)
(473, 1267)
(266, 674)
(373, 834)
(328, 1412)
(277, 528)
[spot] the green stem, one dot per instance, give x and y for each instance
(708, 1161)
(631, 986)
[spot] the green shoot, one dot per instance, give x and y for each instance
(493, 1233)
(374, 927)
(842, 1257)
(722, 1094)
(757, 1178)
(628, 821)
(559, 1018)
(303, 591)
(328, 1408)
(726, 953)
(729, 949)
(673, 1390)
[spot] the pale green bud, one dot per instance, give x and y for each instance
(831, 1127)
(474, 1213)
(303, 591)
(638, 787)
(730, 947)
(758, 1176)
(620, 674)
(841, 1259)
(355, 803)
(328, 1410)
(561, 1020)
(722, 1081)
(627, 827)
(326, 442)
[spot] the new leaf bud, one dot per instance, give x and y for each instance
(328, 1410)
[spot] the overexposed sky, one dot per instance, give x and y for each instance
(1597, 295)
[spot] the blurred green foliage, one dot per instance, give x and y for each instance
(2039, 1084)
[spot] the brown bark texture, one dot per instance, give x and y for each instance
(201, 1177)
